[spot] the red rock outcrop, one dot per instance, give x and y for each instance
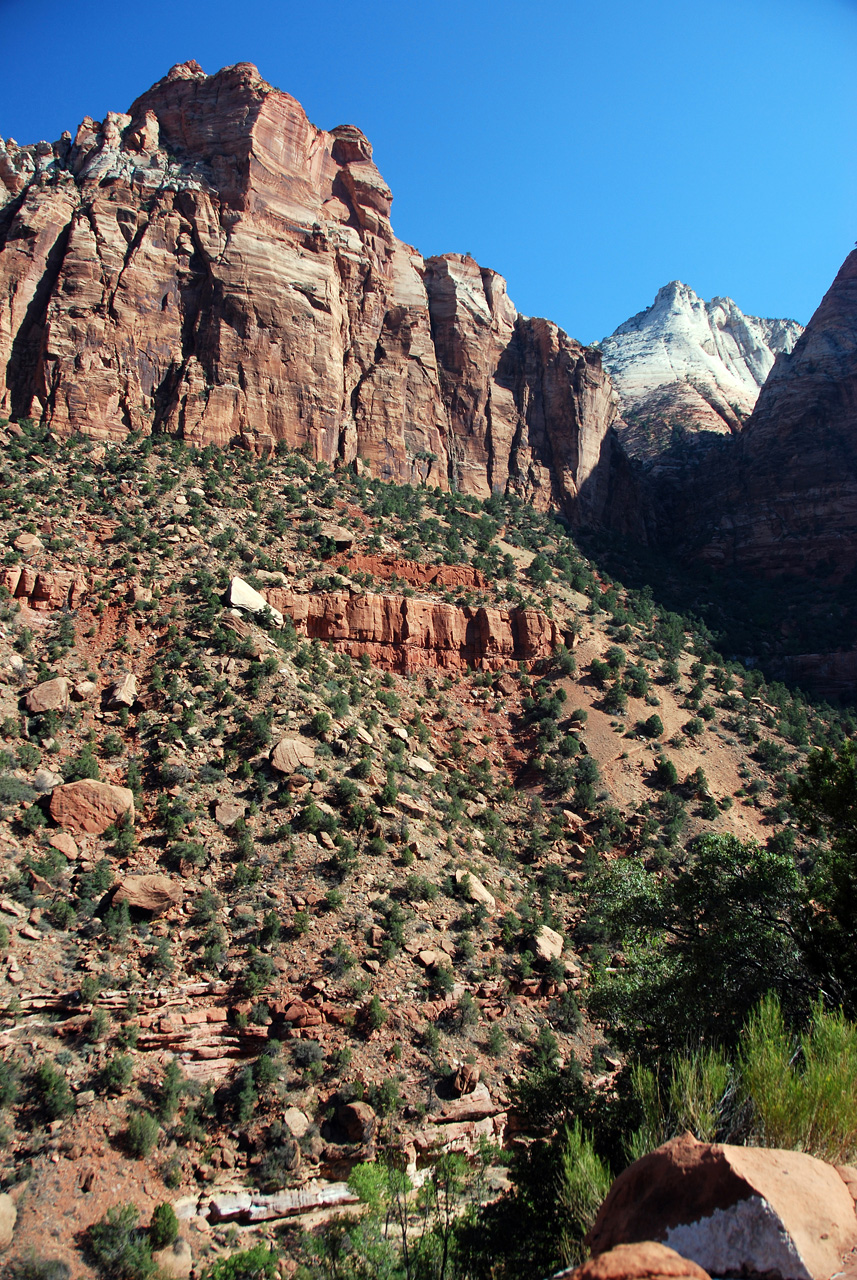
(454, 576)
(46, 590)
(644, 1261)
(405, 634)
(212, 265)
(733, 1210)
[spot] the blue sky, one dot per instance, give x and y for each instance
(588, 151)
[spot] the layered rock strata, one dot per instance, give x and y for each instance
(405, 634)
(685, 366)
(212, 265)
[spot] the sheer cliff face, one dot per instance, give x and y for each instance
(211, 264)
(688, 365)
(788, 500)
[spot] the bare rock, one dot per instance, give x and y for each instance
(28, 544)
(8, 1218)
(44, 780)
(52, 695)
(63, 842)
(646, 1260)
(176, 1261)
(548, 944)
(474, 890)
(242, 596)
(122, 693)
(155, 893)
(341, 538)
(465, 1079)
(747, 1211)
(90, 806)
(227, 812)
(292, 754)
(296, 1122)
(359, 1121)
(84, 690)
(409, 634)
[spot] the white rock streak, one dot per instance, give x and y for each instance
(704, 352)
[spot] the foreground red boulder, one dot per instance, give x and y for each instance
(646, 1260)
(748, 1211)
(90, 806)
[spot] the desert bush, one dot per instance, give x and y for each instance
(118, 1248)
(802, 1089)
(141, 1133)
(163, 1227)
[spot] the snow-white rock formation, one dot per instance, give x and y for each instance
(685, 365)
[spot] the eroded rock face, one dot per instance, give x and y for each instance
(212, 265)
(692, 366)
(733, 1210)
(787, 502)
(405, 634)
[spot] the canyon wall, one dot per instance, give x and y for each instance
(784, 499)
(212, 265)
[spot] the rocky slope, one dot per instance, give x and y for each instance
(212, 265)
(684, 366)
(331, 856)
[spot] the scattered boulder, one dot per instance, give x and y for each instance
(548, 944)
(28, 544)
(646, 1260)
(421, 765)
(84, 690)
(292, 754)
(63, 842)
(474, 889)
(44, 780)
(359, 1121)
(341, 538)
(122, 693)
(51, 695)
(749, 1211)
(8, 1218)
(90, 806)
(176, 1261)
(242, 596)
(464, 1079)
(155, 893)
(227, 812)
(295, 1121)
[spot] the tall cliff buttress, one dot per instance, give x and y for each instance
(212, 265)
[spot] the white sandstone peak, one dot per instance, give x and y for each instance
(688, 355)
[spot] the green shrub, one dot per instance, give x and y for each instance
(52, 1092)
(803, 1100)
(117, 1073)
(666, 774)
(258, 1263)
(119, 1250)
(653, 727)
(164, 1226)
(141, 1133)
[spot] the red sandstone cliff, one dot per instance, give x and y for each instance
(784, 499)
(211, 264)
(405, 634)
